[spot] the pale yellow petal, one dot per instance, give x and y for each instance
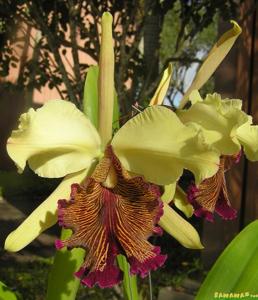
(162, 89)
(43, 217)
(180, 229)
(56, 139)
(158, 146)
(218, 120)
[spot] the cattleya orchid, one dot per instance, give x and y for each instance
(115, 201)
(227, 128)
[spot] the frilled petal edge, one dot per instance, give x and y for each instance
(56, 140)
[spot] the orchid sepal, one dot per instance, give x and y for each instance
(179, 228)
(43, 217)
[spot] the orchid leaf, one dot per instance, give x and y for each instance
(6, 293)
(156, 144)
(179, 228)
(63, 285)
(213, 60)
(56, 140)
(235, 271)
(43, 217)
(162, 89)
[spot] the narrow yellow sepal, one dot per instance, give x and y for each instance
(169, 192)
(162, 89)
(44, 216)
(180, 201)
(180, 229)
(106, 80)
(213, 60)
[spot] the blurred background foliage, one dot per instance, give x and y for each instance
(148, 34)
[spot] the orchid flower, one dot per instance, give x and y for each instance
(228, 129)
(115, 200)
(58, 140)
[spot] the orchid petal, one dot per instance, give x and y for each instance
(247, 134)
(218, 119)
(162, 89)
(158, 146)
(181, 202)
(180, 229)
(213, 60)
(56, 139)
(43, 217)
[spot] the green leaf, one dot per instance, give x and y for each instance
(6, 293)
(129, 282)
(236, 270)
(62, 284)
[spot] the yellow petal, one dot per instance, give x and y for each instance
(162, 89)
(43, 217)
(181, 202)
(218, 120)
(213, 60)
(180, 229)
(56, 140)
(157, 145)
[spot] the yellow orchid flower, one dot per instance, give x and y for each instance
(58, 140)
(227, 129)
(110, 211)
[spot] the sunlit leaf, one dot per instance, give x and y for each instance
(236, 270)
(6, 293)
(62, 284)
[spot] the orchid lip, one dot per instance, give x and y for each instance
(111, 221)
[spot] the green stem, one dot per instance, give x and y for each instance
(129, 282)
